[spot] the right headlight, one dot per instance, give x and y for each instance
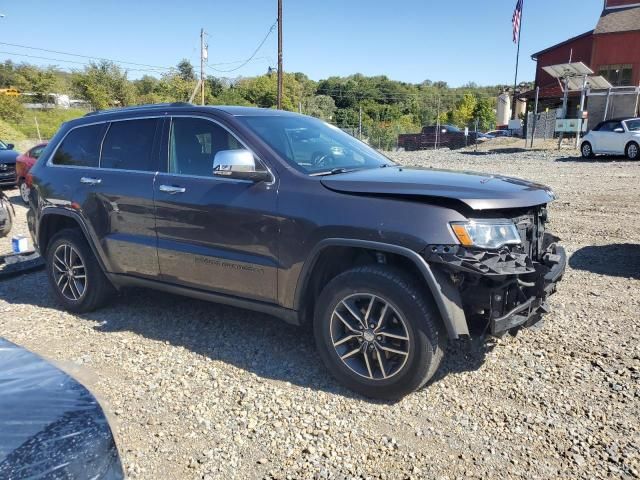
(490, 234)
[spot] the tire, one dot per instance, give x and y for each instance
(96, 288)
(24, 191)
(410, 317)
(7, 224)
(632, 151)
(586, 150)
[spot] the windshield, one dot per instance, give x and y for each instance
(313, 146)
(633, 125)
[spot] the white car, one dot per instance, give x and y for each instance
(613, 137)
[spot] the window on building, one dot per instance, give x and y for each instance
(618, 75)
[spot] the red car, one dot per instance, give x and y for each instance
(23, 164)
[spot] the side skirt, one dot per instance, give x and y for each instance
(286, 314)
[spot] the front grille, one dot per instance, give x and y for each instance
(531, 230)
(7, 168)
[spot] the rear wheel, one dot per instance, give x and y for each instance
(75, 274)
(633, 151)
(586, 150)
(377, 333)
(24, 190)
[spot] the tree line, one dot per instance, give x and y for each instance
(383, 107)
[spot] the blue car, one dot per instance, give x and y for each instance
(7, 164)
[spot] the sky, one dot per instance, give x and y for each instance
(408, 40)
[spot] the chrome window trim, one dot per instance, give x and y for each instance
(213, 177)
(53, 154)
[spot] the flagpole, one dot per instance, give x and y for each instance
(515, 81)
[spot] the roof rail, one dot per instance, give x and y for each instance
(139, 107)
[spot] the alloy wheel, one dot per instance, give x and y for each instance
(370, 336)
(586, 150)
(69, 272)
(632, 151)
(24, 192)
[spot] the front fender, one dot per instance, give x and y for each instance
(444, 293)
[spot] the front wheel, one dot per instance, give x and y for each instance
(633, 151)
(586, 150)
(378, 333)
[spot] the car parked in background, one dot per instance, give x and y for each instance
(7, 164)
(613, 137)
(499, 133)
(24, 163)
(443, 136)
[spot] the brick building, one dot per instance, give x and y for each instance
(612, 50)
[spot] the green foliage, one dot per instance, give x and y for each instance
(11, 109)
(186, 71)
(49, 121)
(485, 113)
(9, 134)
(388, 107)
(104, 85)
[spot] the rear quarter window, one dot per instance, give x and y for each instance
(81, 147)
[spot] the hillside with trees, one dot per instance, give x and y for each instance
(386, 107)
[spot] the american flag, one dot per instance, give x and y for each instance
(517, 18)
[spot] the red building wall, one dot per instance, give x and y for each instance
(608, 50)
(620, 3)
(582, 48)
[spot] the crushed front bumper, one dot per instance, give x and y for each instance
(502, 290)
(530, 311)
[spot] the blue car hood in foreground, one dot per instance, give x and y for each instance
(50, 425)
(8, 156)
(478, 191)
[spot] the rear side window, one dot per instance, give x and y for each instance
(129, 145)
(81, 147)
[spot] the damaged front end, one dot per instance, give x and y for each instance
(507, 287)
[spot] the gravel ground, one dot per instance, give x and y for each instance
(197, 390)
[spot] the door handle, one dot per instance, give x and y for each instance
(171, 189)
(90, 180)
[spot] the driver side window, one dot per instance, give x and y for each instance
(193, 144)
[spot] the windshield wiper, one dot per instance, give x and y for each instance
(334, 171)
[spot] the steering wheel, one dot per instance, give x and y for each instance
(323, 159)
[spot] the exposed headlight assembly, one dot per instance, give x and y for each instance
(489, 234)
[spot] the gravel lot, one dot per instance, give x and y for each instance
(197, 390)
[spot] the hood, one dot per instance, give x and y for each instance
(50, 425)
(478, 191)
(8, 156)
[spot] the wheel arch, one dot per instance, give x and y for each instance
(53, 220)
(444, 293)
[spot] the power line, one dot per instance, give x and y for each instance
(255, 52)
(155, 67)
(66, 61)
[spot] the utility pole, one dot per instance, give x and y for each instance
(203, 55)
(279, 55)
(360, 123)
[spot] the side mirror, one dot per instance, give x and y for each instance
(10, 146)
(239, 164)
(619, 130)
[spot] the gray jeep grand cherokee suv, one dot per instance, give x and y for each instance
(284, 214)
